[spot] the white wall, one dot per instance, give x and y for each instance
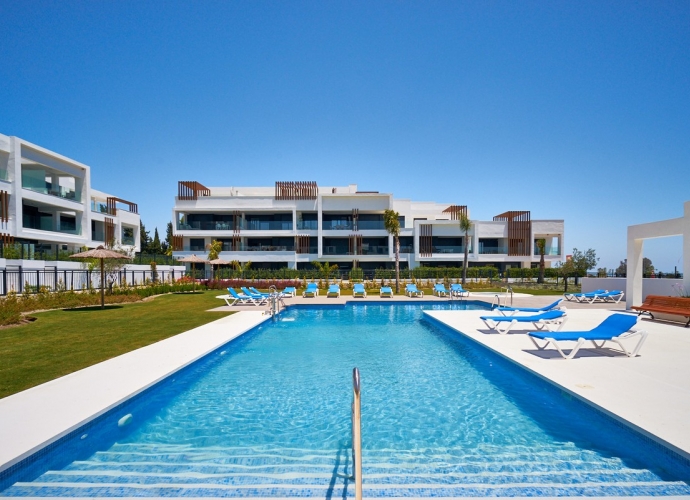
(650, 286)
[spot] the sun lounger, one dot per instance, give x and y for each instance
(532, 310)
(289, 291)
(333, 291)
(612, 296)
(255, 295)
(580, 297)
(615, 328)
(229, 299)
(549, 320)
(312, 290)
(386, 291)
(358, 290)
(456, 290)
(411, 291)
(242, 298)
(440, 290)
(257, 292)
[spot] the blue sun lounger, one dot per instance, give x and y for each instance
(333, 291)
(440, 290)
(581, 297)
(257, 292)
(456, 290)
(615, 328)
(358, 290)
(244, 299)
(255, 295)
(289, 291)
(312, 290)
(534, 310)
(543, 321)
(411, 291)
(386, 291)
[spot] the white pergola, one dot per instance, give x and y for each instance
(662, 229)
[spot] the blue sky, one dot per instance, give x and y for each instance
(572, 110)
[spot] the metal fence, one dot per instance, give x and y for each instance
(22, 281)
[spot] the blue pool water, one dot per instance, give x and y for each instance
(269, 415)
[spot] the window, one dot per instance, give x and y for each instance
(127, 235)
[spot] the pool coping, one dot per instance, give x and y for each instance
(636, 392)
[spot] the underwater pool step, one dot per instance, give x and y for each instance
(291, 491)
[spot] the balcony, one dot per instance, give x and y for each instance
(484, 250)
(50, 182)
(364, 225)
(308, 225)
(450, 249)
(554, 251)
(374, 250)
(99, 207)
(263, 225)
(205, 226)
(337, 225)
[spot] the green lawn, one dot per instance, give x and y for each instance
(61, 342)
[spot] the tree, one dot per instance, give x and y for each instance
(465, 226)
(391, 221)
(239, 266)
(325, 269)
(145, 238)
(214, 248)
(565, 269)
(541, 246)
(155, 245)
(583, 261)
(648, 268)
(167, 247)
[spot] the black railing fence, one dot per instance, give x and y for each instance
(23, 281)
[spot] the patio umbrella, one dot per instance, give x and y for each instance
(192, 259)
(101, 254)
(218, 262)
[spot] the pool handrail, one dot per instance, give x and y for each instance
(356, 434)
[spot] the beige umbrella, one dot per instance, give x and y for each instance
(102, 254)
(217, 262)
(192, 259)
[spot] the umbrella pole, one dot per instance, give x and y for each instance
(102, 286)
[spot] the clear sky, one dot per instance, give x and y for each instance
(572, 110)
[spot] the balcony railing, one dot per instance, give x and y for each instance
(48, 226)
(548, 251)
(57, 191)
(406, 249)
(449, 249)
(370, 224)
(99, 207)
(252, 248)
(263, 225)
(309, 225)
(484, 250)
(337, 225)
(127, 240)
(371, 250)
(205, 226)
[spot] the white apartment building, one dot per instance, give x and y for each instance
(47, 206)
(296, 223)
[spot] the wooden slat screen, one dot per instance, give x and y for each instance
(6, 239)
(355, 244)
(236, 242)
(302, 243)
(455, 211)
(519, 231)
(236, 220)
(4, 207)
(191, 190)
(112, 202)
(355, 219)
(177, 243)
(291, 190)
(109, 230)
(425, 240)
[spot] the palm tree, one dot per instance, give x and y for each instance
(465, 226)
(214, 249)
(541, 246)
(391, 220)
(238, 266)
(325, 269)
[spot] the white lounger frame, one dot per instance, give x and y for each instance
(580, 341)
(552, 325)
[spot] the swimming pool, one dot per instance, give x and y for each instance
(269, 415)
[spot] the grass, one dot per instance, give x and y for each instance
(64, 341)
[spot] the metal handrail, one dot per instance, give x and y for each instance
(356, 434)
(509, 290)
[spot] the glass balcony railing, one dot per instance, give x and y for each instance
(205, 226)
(58, 191)
(406, 249)
(264, 225)
(99, 207)
(483, 250)
(548, 251)
(450, 249)
(374, 250)
(309, 225)
(337, 225)
(371, 250)
(364, 225)
(126, 240)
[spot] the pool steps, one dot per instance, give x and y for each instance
(172, 470)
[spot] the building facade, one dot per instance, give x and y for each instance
(48, 208)
(295, 223)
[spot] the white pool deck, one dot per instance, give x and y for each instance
(650, 392)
